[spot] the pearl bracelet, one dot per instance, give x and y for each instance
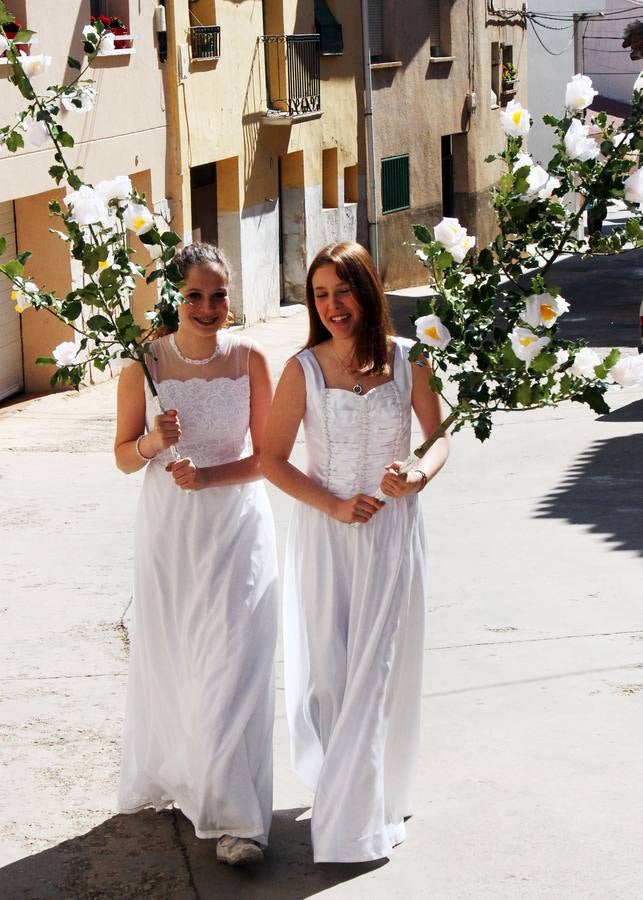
(137, 447)
(425, 479)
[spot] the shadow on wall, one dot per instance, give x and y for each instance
(602, 490)
(156, 855)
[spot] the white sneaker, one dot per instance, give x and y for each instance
(237, 851)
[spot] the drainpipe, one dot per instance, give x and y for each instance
(371, 186)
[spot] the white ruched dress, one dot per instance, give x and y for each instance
(354, 622)
(200, 700)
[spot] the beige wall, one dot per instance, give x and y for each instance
(419, 101)
(125, 133)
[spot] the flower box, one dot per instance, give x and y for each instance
(123, 38)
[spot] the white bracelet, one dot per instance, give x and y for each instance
(137, 447)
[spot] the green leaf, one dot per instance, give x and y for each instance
(157, 273)
(3, 244)
(55, 208)
(482, 427)
(170, 238)
(65, 139)
(543, 362)
(13, 268)
(73, 63)
(100, 323)
(444, 260)
(150, 237)
(523, 393)
(436, 384)
(23, 36)
(71, 309)
(57, 173)
(423, 234)
(485, 259)
(612, 358)
(45, 361)
(14, 141)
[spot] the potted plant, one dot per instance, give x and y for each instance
(509, 76)
(117, 27)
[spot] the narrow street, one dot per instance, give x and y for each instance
(533, 692)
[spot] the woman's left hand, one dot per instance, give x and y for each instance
(186, 475)
(395, 484)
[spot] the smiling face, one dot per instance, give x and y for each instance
(336, 305)
(208, 304)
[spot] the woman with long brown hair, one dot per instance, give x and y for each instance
(354, 597)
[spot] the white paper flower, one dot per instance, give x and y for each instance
(87, 206)
(36, 132)
(34, 65)
(628, 371)
(87, 96)
(449, 232)
(584, 364)
(119, 188)
(525, 344)
(431, 331)
(562, 356)
(22, 295)
(138, 218)
(514, 119)
(638, 84)
(68, 354)
(459, 251)
(579, 93)
(543, 309)
(633, 188)
(578, 144)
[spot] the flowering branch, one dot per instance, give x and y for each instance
(492, 322)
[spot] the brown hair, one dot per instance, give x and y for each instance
(354, 265)
(197, 254)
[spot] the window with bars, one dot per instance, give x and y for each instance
(396, 192)
(376, 29)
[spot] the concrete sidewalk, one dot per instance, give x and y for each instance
(531, 770)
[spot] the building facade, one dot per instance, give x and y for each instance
(124, 133)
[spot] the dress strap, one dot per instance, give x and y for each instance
(402, 372)
(312, 373)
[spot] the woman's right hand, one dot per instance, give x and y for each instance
(357, 509)
(166, 431)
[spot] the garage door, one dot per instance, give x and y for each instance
(11, 380)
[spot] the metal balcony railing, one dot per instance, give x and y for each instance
(292, 74)
(205, 41)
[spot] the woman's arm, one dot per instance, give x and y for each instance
(287, 412)
(426, 405)
(130, 424)
(190, 477)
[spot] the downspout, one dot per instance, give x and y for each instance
(371, 185)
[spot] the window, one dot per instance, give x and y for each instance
(376, 29)
(439, 24)
(448, 195)
(118, 8)
(351, 184)
(329, 179)
(395, 183)
(329, 30)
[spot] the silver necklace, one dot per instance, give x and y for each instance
(357, 387)
(195, 362)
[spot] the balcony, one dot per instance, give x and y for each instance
(292, 77)
(205, 42)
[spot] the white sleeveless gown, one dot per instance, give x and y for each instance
(200, 704)
(354, 623)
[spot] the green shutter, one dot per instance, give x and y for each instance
(395, 183)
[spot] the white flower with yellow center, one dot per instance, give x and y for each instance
(34, 65)
(543, 309)
(22, 295)
(584, 364)
(119, 188)
(526, 345)
(514, 119)
(454, 238)
(432, 332)
(579, 93)
(138, 218)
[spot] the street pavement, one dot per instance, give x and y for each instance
(531, 771)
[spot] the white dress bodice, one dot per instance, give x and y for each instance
(350, 438)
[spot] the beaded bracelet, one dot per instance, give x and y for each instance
(139, 453)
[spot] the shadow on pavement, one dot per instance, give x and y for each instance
(157, 856)
(602, 490)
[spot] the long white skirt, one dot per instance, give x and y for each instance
(200, 701)
(353, 648)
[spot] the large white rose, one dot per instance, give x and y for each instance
(36, 132)
(540, 184)
(543, 309)
(22, 295)
(106, 45)
(633, 188)
(86, 94)
(68, 354)
(449, 232)
(459, 251)
(34, 65)
(431, 331)
(138, 218)
(628, 371)
(119, 188)
(525, 344)
(584, 364)
(578, 144)
(87, 206)
(515, 119)
(579, 93)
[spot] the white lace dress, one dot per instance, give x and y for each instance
(200, 704)
(354, 622)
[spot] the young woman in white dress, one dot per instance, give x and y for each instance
(198, 727)
(353, 597)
